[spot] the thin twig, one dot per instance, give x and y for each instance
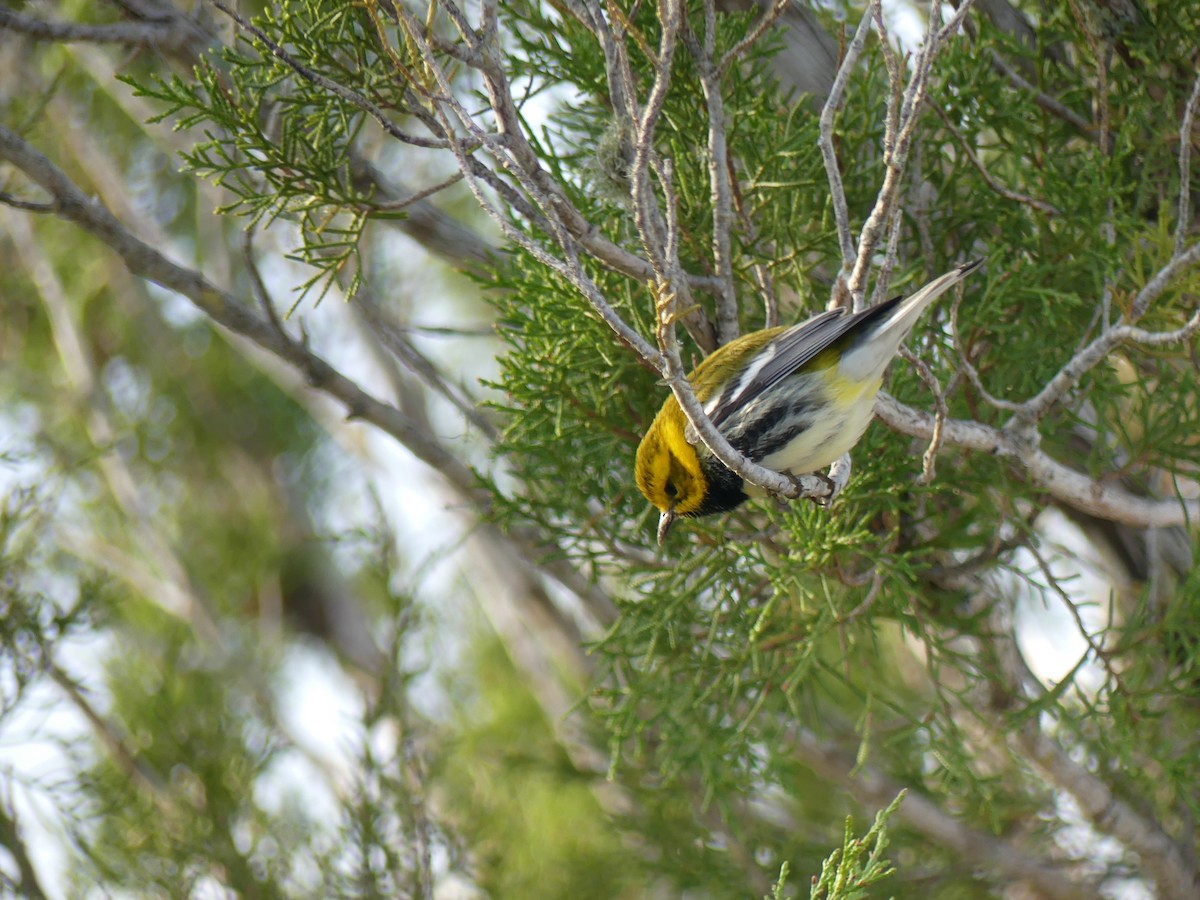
(8, 199)
(718, 174)
(876, 585)
(929, 458)
(892, 65)
(260, 287)
(512, 151)
(1185, 172)
(404, 350)
(833, 105)
(1044, 100)
(645, 209)
(896, 151)
(735, 52)
(762, 274)
(883, 277)
(965, 364)
(1008, 193)
(141, 34)
(664, 172)
(417, 196)
(1068, 376)
(630, 28)
(1100, 53)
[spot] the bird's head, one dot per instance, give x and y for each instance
(669, 471)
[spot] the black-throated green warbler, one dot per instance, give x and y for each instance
(792, 399)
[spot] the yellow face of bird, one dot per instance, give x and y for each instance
(668, 468)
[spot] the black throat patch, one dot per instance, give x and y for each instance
(725, 489)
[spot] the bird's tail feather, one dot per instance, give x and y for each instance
(874, 350)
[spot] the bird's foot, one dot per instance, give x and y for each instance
(808, 491)
(837, 479)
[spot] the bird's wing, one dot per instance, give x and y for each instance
(786, 354)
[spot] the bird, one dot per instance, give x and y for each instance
(793, 399)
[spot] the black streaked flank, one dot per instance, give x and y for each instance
(757, 437)
(763, 436)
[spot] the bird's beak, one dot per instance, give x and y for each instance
(665, 521)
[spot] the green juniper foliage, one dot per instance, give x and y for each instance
(846, 873)
(277, 139)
